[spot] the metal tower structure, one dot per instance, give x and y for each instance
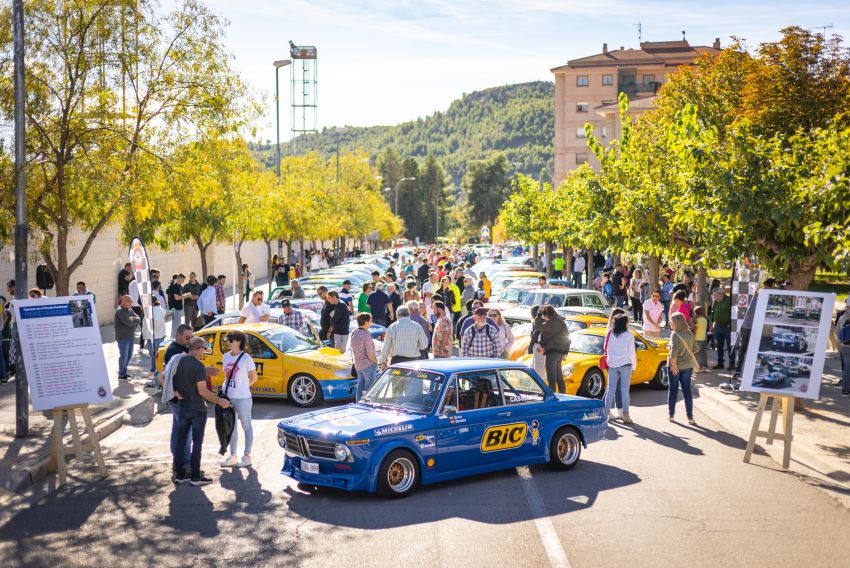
(303, 95)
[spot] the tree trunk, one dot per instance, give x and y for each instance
(548, 252)
(654, 278)
(304, 263)
(801, 274)
(702, 288)
(535, 252)
(269, 263)
(202, 249)
(568, 262)
(239, 285)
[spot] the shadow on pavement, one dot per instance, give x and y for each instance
(493, 498)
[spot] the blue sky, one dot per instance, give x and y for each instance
(383, 62)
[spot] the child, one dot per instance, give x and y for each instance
(700, 332)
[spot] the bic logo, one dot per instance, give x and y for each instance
(503, 437)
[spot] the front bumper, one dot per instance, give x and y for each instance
(326, 476)
(338, 389)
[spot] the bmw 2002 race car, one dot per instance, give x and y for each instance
(434, 420)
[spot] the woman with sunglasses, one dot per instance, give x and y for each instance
(240, 373)
(506, 337)
(653, 312)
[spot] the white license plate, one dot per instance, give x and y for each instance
(309, 467)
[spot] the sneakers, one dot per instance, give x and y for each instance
(203, 480)
(181, 479)
(692, 422)
(244, 462)
(627, 419)
(229, 461)
(671, 419)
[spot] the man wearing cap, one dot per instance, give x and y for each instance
(480, 339)
(190, 383)
(292, 317)
(404, 341)
(346, 295)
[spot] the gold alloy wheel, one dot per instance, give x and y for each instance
(401, 474)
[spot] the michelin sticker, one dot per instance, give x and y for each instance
(395, 429)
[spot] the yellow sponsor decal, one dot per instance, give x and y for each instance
(503, 437)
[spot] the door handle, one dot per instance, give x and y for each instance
(219, 363)
(504, 413)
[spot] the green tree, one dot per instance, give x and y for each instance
(485, 186)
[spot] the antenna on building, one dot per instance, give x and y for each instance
(640, 33)
(683, 36)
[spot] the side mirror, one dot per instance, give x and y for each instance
(449, 410)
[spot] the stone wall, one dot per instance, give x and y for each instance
(108, 254)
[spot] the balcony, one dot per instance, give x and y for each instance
(632, 89)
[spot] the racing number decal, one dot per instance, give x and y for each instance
(259, 369)
(503, 437)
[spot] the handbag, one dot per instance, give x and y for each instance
(603, 361)
(222, 389)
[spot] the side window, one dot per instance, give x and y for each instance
(450, 398)
(573, 301)
(639, 345)
(478, 390)
(519, 387)
(210, 339)
(593, 301)
(257, 349)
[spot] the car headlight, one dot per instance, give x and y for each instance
(281, 439)
(341, 452)
(343, 373)
(568, 369)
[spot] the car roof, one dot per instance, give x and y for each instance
(258, 327)
(564, 291)
(459, 365)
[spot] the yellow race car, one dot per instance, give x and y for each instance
(522, 333)
(583, 376)
(289, 365)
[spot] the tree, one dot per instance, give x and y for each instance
(108, 83)
(485, 187)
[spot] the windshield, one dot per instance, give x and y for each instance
(289, 341)
(586, 343)
(535, 298)
(413, 390)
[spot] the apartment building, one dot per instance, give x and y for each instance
(586, 90)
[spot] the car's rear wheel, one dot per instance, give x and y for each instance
(593, 383)
(304, 390)
(398, 475)
(565, 448)
(661, 380)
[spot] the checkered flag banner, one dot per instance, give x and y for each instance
(745, 282)
(141, 269)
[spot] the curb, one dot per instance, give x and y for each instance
(137, 413)
(739, 420)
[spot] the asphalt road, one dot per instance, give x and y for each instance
(652, 494)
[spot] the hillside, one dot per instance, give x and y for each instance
(517, 120)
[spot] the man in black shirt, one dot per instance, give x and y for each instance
(190, 382)
(174, 293)
(125, 276)
(192, 291)
(326, 313)
(340, 321)
(619, 285)
(423, 272)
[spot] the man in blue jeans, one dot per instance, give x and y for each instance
(125, 321)
(190, 383)
(721, 322)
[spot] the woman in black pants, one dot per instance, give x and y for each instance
(555, 340)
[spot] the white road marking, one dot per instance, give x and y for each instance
(551, 542)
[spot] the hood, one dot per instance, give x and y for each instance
(327, 355)
(358, 420)
(518, 313)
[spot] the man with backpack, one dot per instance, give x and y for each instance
(480, 339)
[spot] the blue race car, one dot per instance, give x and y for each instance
(433, 420)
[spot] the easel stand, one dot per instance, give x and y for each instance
(787, 405)
(57, 453)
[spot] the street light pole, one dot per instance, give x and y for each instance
(21, 231)
(277, 66)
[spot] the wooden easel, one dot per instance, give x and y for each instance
(57, 452)
(787, 404)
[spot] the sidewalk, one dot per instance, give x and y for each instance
(25, 461)
(821, 432)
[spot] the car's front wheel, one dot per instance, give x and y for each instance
(304, 391)
(661, 380)
(593, 384)
(398, 475)
(565, 448)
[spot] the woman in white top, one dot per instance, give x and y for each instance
(634, 294)
(154, 341)
(506, 336)
(622, 362)
(240, 373)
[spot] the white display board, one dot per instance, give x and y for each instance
(788, 343)
(62, 351)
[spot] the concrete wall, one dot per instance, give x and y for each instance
(108, 254)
